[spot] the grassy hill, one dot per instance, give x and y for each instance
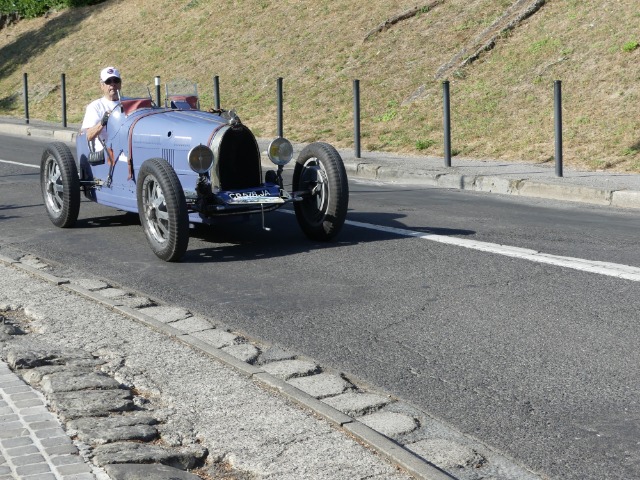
(502, 103)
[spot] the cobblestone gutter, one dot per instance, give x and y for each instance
(112, 424)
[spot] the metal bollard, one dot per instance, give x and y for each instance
(157, 82)
(446, 120)
(25, 82)
(63, 84)
(356, 118)
(279, 95)
(557, 107)
(216, 92)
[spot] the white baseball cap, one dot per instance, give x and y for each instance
(109, 72)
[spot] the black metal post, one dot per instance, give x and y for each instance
(63, 83)
(157, 82)
(446, 120)
(280, 129)
(216, 92)
(356, 118)
(557, 90)
(26, 98)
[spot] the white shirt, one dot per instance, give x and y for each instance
(95, 111)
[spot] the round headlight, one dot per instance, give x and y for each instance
(200, 159)
(280, 151)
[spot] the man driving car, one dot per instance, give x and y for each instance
(98, 111)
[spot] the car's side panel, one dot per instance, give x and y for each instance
(139, 136)
(115, 188)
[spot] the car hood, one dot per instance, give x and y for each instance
(174, 129)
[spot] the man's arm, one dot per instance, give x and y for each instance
(94, 122)
(93, 132)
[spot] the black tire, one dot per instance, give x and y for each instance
(163, 209)
(60, 185)
(320, 170)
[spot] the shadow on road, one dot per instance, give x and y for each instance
(249, 241)
(121, 219)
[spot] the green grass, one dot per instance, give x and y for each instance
(424, 144)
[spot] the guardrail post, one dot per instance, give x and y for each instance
(279, 88)
(356, 118)
(63, 84)
(446, 120)
(216, 92)
(557, 106)
(157, 83)
(25, 83)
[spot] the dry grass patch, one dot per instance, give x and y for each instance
(502, 104)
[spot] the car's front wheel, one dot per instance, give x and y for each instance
(163, 209)
(319, 173)
(60, 185)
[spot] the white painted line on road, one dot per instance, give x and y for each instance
(625, 272)
(21, 164)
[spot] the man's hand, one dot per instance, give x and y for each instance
(105, 119)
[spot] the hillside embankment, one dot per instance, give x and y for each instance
(500, 57)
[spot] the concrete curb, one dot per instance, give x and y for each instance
(28, 130)
(625, 199)
(394, 452)
(494, 184)
(595, 196)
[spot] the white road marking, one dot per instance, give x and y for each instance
(625, 272)
(21, 164)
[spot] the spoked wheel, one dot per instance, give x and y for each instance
(163, 209)
(60, 185)
(320, 172)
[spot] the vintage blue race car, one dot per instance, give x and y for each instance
(178, 165)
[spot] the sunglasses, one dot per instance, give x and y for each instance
(111, 81)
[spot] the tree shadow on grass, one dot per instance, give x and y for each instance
(15, 55)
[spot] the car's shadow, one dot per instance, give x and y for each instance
(250, 241)
(120, 219)
(280, 236)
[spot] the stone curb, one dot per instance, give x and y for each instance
(396, 453)
(390, 449)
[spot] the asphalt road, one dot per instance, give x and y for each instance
(541, 362)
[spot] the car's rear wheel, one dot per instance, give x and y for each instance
(60, 185)
(320, 172)
(163, 209)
